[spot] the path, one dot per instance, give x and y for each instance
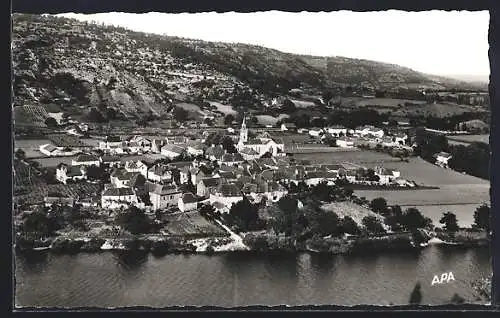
(237, 240)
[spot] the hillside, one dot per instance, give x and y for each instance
(128, 74)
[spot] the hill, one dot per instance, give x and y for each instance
(128, 75)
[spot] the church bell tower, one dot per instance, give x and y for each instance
(243, 132)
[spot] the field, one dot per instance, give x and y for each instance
(31, 146)
(192, 224)
(225, 109)
(356, 212)
(467, 139)
(54, 161)
(269, 120)
(90, 142)
(458, 193)
(30, 116)
(61, 140)
(386, 102)
(36, 193)
(188, 107)
(23, 174)
(437, 110)
(302, 103)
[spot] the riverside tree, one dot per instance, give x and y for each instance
(379, 205)
(373, 225)
(135, 221)
(482, 218)
(449, 220)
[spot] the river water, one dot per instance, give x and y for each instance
(239, 279)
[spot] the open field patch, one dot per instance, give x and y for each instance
(467, 139)
(30, 116)
(225, 109)
(356, 212)
(62, 140)
(437, 110)
(188, 107)
(270, 120)
(37, 192)
(31, 146)
(51, 162)
(361, 157)
(191, 224)
(386, 102)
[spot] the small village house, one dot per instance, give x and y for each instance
(112, 144)
(195, 149)
(50, 150)
(337, 130)
(315, 132)
(114, 198)
(137, 166)
(65, 173)
(164, 196)
(172, 151)
(344, 142)
(157, 144)
(86, 160)
(206, 186)
(442, 159)
(387, 176)
(188, 202)
(110, 161)
(159, 173)
(227, 194)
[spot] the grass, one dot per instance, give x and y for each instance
(31, 146)
(61, 140)
(269, 120)
(189, 107)
(385, 102)
(356, 212)
(191, 224)
(54, 161)
(225, 109)
(361, 157)
(467, 139)
(39, 191)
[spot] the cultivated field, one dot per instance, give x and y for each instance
(191, 224)
(30, 116)
(31, 146)
(353, 155)
(467, 139)
(90, 142)
(51, 162)
(225, 109)
(37, 192)
(356, 212)
(62, 140)
(437, 110)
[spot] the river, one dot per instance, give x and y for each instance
(238, 279)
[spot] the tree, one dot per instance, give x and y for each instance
(416, 295)
(134, 220)
(95, 173)
(228, 144)
(180, 114)
(482, 218)
(96, 116)
(244, 215)
(449, 220)
(349, 226)
(228, 120)
(412, 220)
(288, 107)
(20, 154)
(51, 122)
(379, 205)
(373, 225)
(322, 222)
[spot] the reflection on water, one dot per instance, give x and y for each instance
(239, 279)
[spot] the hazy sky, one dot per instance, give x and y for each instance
(434, 42)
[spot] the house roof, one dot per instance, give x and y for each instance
(229, 190)
(249, 151)
(165, 189)
(443, 154)
(173, 148)
(49, 147)
(227, 174)
(211, 182)
(216, 151)
(189, 198)
(230, 157)
(86, 158)
(159, 170)
(117, 192)
(106, 158)
(74, 171)
(113, 139)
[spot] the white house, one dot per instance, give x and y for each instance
(159, 173)
(227, 194)
(187, 202)
(50, 150)
(369, 130)
(442, 159)
(75, 131)
(302, 131)
(344, 142)
(114, 198)
(86, 160)
(249, 154)
(387, 176)
(110, 161)
(337, 130)
(112, 144)
(72, 173)
(288, 127)
(315, 132)
(138, 144)
(137, 166)
(164, 196)
(205, 186)
(401, 138)
(171, 151)
(195, 149)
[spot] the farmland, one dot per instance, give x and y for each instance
(225, 109)
(61, 140)
(362, 157)
(54, 161)
(269, 120)
(188, 107)
(37, 192)
(191, 224)
(356, 212)
(30, 116)
(467, 139)
(31, 146)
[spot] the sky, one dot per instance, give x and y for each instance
(434, 42)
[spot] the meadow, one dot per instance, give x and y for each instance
(31, 146)
(225, 109)
(191, 224)
(467, 139)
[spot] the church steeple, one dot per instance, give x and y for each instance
(243, 132)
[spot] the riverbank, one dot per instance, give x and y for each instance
(257, 242)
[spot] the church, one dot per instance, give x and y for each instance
(262, 144)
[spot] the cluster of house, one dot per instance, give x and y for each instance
(442, 159)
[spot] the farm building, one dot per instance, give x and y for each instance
(172, 151)
(163, 196)
(72, 173)
(344, 142)
(86, 160)
(442, 159)
(113, 198)
(50, 150)
(187, 202)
